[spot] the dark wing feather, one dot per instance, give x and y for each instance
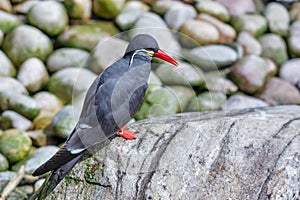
(136, 99)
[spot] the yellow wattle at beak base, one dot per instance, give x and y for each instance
(150, 53)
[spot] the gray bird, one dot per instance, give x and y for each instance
(110, 103)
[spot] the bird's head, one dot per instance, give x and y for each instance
(148, 44)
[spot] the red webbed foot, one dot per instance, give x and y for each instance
(126, 134)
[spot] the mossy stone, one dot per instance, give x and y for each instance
(15, 145)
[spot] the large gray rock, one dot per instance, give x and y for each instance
(244, 154)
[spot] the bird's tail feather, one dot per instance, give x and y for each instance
(54, 179)
(61, 157)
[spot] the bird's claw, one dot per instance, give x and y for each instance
(126, 134)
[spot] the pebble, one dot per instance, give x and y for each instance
(214, 9)
(22, 104)
(108, 8)
(211, 57)
(294, 39)
(183, 95)
(4, 165)
(24, 7)
(200, 31)
(154, 25)
(130, 14)
(48, 101)
(249, 43)
(8, 21)
(7, 68)
(206, 101)
(239, 101)
(237, 8)
(33, 74)
(161, 7)
(17, 120)
(178, 13)
(278, 18)
(11, 84)
(22, 43)
(280, 92)
(185, 74)
(249, 73)
(5, 177)
(253, 23)
(49, 16)
(15, 145)
(79, 9)
(66, 57)
(290, 71)
(86, 36)
(294, 11)
(161, 102)
(227, 32)
(70, 82)
(108, 51)
(274, 47)
(63, 123)
(38, 138)
(5, 5)
(36, 159)
(218, 83)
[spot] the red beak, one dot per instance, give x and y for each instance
(162, 55)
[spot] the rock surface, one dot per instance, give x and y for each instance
(197, 155)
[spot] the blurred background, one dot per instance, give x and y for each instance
(233, 55)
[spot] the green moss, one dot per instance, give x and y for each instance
(86, 36)
(15, 145)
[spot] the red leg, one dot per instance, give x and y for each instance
(126, 134)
